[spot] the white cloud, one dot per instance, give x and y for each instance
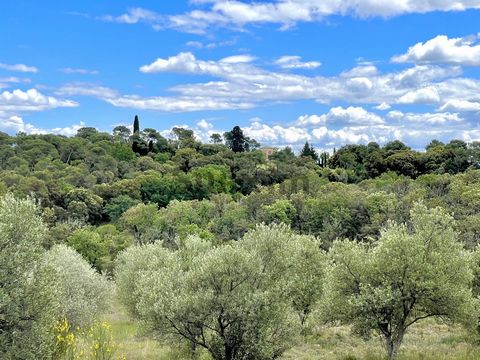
(14, 124)
(276, 134)
(383, 106)
(30, 100)
(295, 62)
(176, 104)
(211, 45)
(425, 118)
(69, 70)
(361, 71)
(186, 62)
(237, 14)
(134, 16)
(86, 89)
(19, 68)
(240, 80)
(237, 59)
(13, 104)
(441, 49)
(195, 44)
(425, 95)
(460, 105)
(241, 84)
(350, 115)
(7, 81)
(204, 125)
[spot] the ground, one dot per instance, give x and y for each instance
(431, 340)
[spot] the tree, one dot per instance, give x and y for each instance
(235, 139)
(91, 246)
(122, 132)
(184, 138)
(87, 132)
(27, 306)
(136, 125)
(139, 146)
(216, 138)
(81, 291)
(118, 205)
(413, 273)
(309, 151)
(235, 301)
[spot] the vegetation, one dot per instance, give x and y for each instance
(217, 252)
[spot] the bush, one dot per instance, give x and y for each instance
(81, 291)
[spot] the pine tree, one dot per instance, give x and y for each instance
(309, 151)
(235, 139)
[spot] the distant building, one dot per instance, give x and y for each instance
(268, 151)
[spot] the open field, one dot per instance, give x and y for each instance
(430, 340)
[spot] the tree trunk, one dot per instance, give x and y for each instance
(228, 352)
(392, 344)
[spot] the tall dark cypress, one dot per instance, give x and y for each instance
(136, 125)
(138, 145)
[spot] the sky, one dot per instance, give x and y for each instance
(331, 72)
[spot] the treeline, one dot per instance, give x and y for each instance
(94, 177)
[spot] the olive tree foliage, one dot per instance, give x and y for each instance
(39, 287)
(27, 306)
(81, 292)
(236, 301)
(414, 271)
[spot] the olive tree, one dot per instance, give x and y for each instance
(27, 306)
(81, 292)
(415, 271)
(235, 301)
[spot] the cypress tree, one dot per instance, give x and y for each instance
(136, 125)
(138, 145)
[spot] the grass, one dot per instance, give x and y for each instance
(129, 341)
(429, 340)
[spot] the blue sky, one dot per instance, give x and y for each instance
(287, 71)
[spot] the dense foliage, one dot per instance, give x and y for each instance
(227, 250)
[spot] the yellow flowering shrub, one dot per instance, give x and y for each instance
(94, 344)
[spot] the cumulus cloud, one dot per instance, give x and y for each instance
(426, 95)
(295, 62)
(17, 102)
(30, 100)
(14, 124)
(186, 62)
(350, 115)
(276, 134)
(441, 49)
(19, 68)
